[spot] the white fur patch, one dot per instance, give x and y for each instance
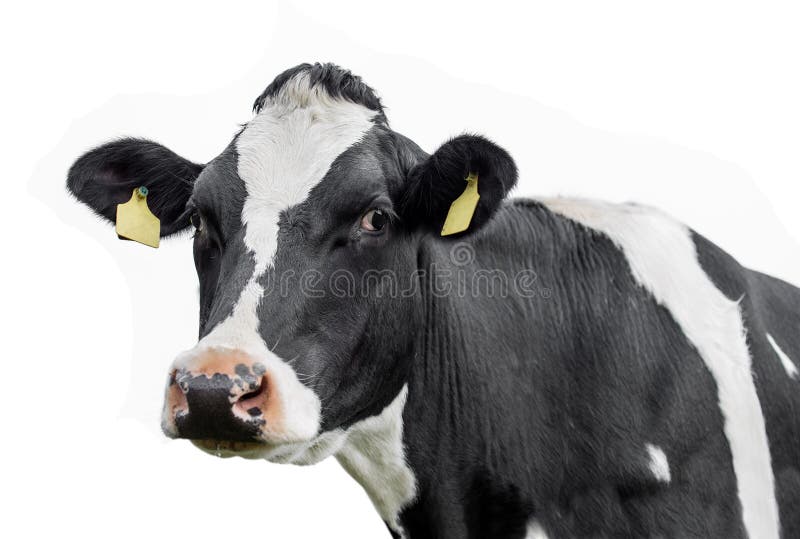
(659, 464)
(791, 368)
(307, 453)
(663, 259)
(374, 456)
(535, 530)
(283, 153)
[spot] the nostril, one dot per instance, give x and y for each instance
(259, 387)
(253, 402)
(253, 393)
(176, 403)
(180, 379)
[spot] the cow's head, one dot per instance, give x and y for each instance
(307, 234)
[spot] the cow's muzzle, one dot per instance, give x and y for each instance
(220, 396)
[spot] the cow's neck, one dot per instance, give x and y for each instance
(471, 432)
(461, 450)
(457, 444)
(373, 455)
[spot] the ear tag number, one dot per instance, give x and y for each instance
(463, 208)
(136, 222)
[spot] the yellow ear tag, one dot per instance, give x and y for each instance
(136, 222)
(463, 208)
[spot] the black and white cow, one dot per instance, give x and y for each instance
(562, 368)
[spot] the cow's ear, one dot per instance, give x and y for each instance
(107, 175)
(442, 188)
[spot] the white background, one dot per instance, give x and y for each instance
(690, 106)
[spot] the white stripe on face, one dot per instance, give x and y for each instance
(283, 153)
(663, 259)
(286, 150)
(791, 368)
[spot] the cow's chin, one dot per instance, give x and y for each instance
(227, 449)
(303, 453)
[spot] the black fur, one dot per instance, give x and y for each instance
(435, 183)
(107, 175)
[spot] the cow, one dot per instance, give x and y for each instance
(552, 368)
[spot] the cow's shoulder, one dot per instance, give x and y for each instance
(568, 219)
(664, 258)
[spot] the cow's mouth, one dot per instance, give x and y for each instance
(299, 452)
(228, 448)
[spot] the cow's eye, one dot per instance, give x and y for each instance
(374, 220)
(197, 221)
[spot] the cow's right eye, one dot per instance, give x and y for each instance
(374, 221)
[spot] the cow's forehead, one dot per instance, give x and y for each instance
(285, 151)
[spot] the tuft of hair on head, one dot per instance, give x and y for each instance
(299, 84)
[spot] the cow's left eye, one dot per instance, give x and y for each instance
(197, 221)
(374, 221)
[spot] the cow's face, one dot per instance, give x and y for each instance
(307, 233)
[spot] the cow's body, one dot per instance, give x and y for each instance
(557, 368)
(586, 406)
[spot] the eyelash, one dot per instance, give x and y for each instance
(196, 221)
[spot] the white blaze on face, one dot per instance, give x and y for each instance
(663, 259)
(284, 151)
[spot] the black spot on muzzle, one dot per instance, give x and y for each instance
(210, 415)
